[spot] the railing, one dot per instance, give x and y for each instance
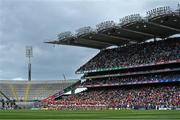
(126, 67)
(4, 95)
(130, 83)
(132, 73)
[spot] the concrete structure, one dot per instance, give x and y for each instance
(32, 90)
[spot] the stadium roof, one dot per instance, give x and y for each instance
(160, 22)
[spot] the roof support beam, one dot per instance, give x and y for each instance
(118, 37)
(95, 45)
(52, 42)
(84, 45)
(164, 26)
(101, 42)
(138, 32)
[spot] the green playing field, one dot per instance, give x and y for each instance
(90, 115)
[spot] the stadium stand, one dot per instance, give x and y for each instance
(137, 54)
(33, 90)
(137, 74)
(135, 97)
(137, 79)
(147, 87)
(28, 92)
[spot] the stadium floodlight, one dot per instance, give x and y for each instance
(130, 19)
(105, 25)
(29, 55)
(158, 12)
(84, 31)
(64, 35)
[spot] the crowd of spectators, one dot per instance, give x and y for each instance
(132, 79)
(138, 96)
(134, 97)
(135, 54)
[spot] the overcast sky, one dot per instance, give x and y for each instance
(31, 22)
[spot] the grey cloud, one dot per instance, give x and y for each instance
(32, 22)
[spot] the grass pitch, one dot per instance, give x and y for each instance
(90, 115)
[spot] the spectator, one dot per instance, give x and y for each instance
(136, 54)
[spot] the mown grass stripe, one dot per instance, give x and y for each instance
(90, 115)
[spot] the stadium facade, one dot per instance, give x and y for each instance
(137, 74)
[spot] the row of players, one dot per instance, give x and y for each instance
(136, 54)
(8, 104)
